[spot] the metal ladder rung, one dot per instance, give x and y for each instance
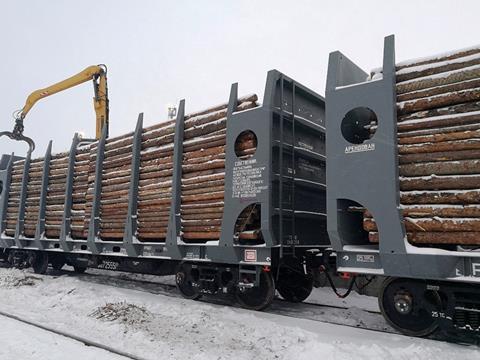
(291, 178)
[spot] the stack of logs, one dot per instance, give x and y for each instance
(79, 230)
(438, 112)
(57, 180)
(203, 172)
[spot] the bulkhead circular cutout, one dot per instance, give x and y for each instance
(246, 144)
(359, 125)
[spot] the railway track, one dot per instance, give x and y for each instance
(85, 341)
(306, 310)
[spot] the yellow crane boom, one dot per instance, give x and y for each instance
(96, 73)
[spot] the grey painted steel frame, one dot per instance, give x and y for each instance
(371, 179)
(259, 120)
(21, 206)
(173, 240)
(131, 220)
(94, 225)
(67, 207)
(5, 178)
(40, 230)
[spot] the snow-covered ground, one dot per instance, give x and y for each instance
(22, 341)
(164, 326)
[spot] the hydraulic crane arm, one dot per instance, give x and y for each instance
(96, 73)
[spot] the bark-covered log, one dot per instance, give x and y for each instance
(155, 153)
(443, 89)
(460, 145)
(453, 98)
(206, 208)
(429, 211)
(203, 197)
(451, 77)
(461, 167)
(212, 151)
(451, 55)
(441, 197)
(453, 183)
(155, 195)
(159, 215)
(203, 215)
(203, 173)
(440, 156)
(440, 238)
(250, 235)
(156, 174)
(202, 222)
(246, 98)
(204, 143)
(212, 164)
(444, 116)
(151, 235)
(206, 189)
(203, 159)
(422, 71)
(432, 224)
(202, 185)
(205, 129)
(198, 179)
(111, 234)
(196, 235)
(441, 130)
(461, 135)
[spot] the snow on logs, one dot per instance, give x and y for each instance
(203, 172)
(438, 124)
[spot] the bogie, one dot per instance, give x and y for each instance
(39, 261)
(294, 284)
(257, 296)
(186, 279)
(57, 261)
(408, 306)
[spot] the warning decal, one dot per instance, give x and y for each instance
(250, 255)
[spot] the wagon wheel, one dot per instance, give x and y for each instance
(407, 306)
(79, 269)
(186, 277)
(57, 262)
(293, 285)
(39, 262)
(258, 297)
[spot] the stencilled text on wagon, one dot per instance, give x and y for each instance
(247, 179)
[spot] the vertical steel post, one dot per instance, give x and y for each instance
(40, 229)
(268, 212)
(294, 235)
(280, 172)
(67, 204)
(4, 198)
(23, 196)
(226, 233)
(131, 220)
(174, 223)
(232, 101)
(93, 227)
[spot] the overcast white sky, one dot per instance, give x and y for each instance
(159, 52)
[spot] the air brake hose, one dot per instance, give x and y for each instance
(334, 288)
